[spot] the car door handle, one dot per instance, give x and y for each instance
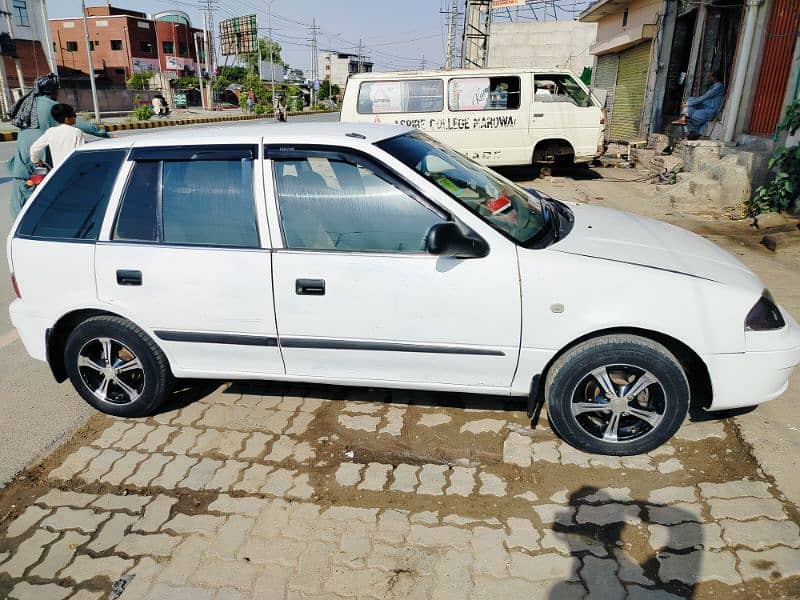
(538, 115)
(128, 277)
(309, 287)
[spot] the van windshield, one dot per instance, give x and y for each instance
(499, 202)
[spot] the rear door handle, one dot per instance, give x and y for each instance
(535, 115)
(128, 277)
(309, 287)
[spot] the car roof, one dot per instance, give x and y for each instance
(486, 72)
(343, 134)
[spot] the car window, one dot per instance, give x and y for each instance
(73, 201)
(483, 93)
(202, 202)
(359, 211)
(407, 96)
(559, 88)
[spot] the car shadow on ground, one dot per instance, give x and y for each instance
(581, 172)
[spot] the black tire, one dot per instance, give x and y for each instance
(151, 379)
(572, 387)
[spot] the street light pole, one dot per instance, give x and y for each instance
(272, 64)
(199, 70)
(91, 65)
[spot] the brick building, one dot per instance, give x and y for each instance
(125, 41)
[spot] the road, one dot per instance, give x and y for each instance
(36, 412)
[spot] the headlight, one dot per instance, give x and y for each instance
(765, 315)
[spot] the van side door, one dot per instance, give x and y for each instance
(186, 259)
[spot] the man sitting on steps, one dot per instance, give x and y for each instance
(697, 112)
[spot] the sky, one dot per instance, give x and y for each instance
(395, 34)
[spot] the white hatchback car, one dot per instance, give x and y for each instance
(375, 256)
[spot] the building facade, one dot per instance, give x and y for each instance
(123, 42)
(25, 48)
(338, 66)
(652, 55)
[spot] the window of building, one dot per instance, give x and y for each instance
(72, 205)
(484, 93)
(342, 202)
(559, 88)
(55, 47)
(190, 202)
(72, 46)
(411, 95)
(20, 12)
(183, 49)
(116, 44)
(625, 18)
(93, 45)
(168, 47)
(146, 47)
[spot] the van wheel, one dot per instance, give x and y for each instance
(618, 395)
(116, 367)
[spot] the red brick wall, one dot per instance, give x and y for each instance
(34, 63)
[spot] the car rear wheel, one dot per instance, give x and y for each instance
(116, 367)
(617, 395)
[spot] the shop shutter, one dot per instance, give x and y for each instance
(776, 64)
(629, 93)
(605, 78)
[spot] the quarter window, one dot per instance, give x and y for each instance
(483, 93)
(559, 88)
(333, 202)
(408, 96)
(73, 201)
(190, 202)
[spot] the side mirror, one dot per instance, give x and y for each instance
(447, 239)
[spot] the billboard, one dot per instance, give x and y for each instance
(174, 63)
(507, 3)
(238, 35)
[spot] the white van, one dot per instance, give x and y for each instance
(495, 116)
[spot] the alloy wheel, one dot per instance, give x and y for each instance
(111, 371)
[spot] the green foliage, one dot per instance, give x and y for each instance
(261, 109)
(783, 190)
(221, 83)
(234, 74)
(251, 60)
(298, 104)
(188, 81)
(142, 112)
(140, 79)
(326, 90)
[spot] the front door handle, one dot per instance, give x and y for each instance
(536, 115)
(129, 277)
(309, 287)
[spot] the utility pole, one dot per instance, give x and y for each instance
(452, 21)
(91, 64)
(17, 61)
(314, 61)
(359, 54)
(271, 59)
(422, 63)
(199, 70)
(208, 27)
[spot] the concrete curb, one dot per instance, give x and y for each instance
(10, 136)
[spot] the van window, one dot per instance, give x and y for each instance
(408, 96)
(483, 93)
(339, 202)
(559, 88)
(73, 201)
(201, 203)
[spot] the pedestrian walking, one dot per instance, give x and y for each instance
(32, 114)
(251, 101)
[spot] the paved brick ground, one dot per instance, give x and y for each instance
(290, 492)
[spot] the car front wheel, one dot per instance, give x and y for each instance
(116, 367)
(617, 395)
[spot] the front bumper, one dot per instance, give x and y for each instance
(761, 373)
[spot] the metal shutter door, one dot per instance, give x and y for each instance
(605, 78)
(629, 93)
(775, 66)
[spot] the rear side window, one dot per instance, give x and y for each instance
(408, 96)
(190, 202)
(483, 93)
(73, 201)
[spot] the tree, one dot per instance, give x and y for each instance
(326, 90)
(251, 60)
(234, 74)
(187, 81)
(140, 79)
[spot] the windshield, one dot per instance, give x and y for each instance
(505, 206)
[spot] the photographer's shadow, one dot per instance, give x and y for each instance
(596, 537)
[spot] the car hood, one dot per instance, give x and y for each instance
(622, 237)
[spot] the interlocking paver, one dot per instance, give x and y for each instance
(673, 494)
(112, 434)
(59, 555)
(253, 478)
(29, 517)
(201, 474)
(698, 566)
(686, 535)
(483, 426)
(223, 443)
(376, 477)
(131, 503)
(432, 480)
(278, 482)
(600, 577)
(155, 514)
(184, 441)
(84, 568)
(29, 591)
(743, 509)
(255, 445)
(226, 475)
(69, 498)
(124, 468)
(202, 524)
(568, 543)
(112, 532)
(249, 506)
(769, 564)
(462, 481)
(174, 471)
(675, 513)
(28, 552)
(360, 422)
(761, 533)
(133, 436)
(491, 557)
(444, 536)
(671, 465)
(545, 451)
(154, 440)
(522, 534)
(100, 465)
(74, 463)
(349, 473)
(433, 419)
(300, 423)
(735, 489)
(82, 519)
(148, 470)
(491, 485)
(555, 513)
(153, 544)
(405, 478)
(543, 567)
(517, 450)
(604, 514)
